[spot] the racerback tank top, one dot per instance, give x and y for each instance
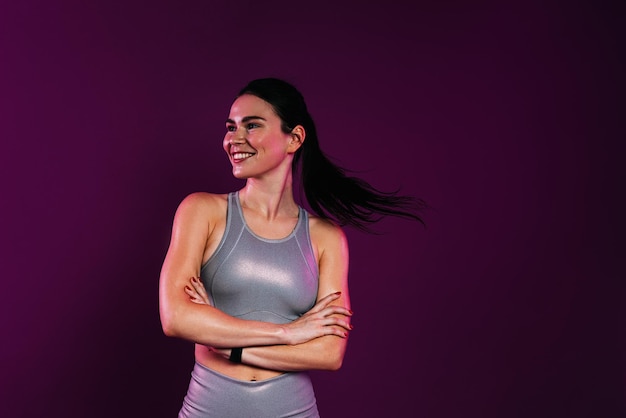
(255, 278)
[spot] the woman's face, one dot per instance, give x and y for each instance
(254, 141)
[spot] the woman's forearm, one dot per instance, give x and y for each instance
(324, 353)
(207, 325)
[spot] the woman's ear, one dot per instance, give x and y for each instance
(297, 138)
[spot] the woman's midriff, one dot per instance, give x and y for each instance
(217, 362)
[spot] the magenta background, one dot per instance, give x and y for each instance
(507, 119)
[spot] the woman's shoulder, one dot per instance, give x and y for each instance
(205, 198)
(203, 203)
(325, 232)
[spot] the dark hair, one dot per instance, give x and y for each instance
(330, 193)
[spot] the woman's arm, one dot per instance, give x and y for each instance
(194, 222)
(326, 352)
(195, 218)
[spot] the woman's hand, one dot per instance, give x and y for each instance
(197, 292)
(319, 321)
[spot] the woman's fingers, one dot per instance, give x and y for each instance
(337, 310)
(336, 326)
(199, 287)
(339, 322)
(322, 319)
(196, 291)
(328, 311)
(324, 302)
(193, 295)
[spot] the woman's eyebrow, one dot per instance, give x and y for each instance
(245, 119)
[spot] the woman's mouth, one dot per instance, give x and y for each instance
(240, 156)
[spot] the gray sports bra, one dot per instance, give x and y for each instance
(270, 280)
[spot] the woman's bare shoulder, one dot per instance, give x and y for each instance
(204, 198)
(325, 232)
(203, 203)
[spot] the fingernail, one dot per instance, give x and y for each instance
(351, 326)
(350, 311)
(337, 293)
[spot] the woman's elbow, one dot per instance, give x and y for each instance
(333, 359)
(168, 329)
(169, 324)
(335, 364)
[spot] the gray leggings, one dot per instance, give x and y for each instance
(214, 395)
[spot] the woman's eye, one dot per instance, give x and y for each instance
(230, 128)
(252, 125)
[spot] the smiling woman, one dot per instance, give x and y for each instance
(254, 139)
(255, 281)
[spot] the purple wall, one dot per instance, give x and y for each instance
(506, 119)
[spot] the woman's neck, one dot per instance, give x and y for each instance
(270, 199)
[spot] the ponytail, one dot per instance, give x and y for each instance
(329, 191)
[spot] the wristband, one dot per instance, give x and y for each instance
(235, 355)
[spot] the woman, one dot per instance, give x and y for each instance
(256, 282)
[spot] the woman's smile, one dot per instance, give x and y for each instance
(241, 156)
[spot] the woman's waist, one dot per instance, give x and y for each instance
(218, 363)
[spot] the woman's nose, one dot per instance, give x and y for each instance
(238, 137)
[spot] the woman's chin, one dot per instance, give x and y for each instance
(239, 174)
